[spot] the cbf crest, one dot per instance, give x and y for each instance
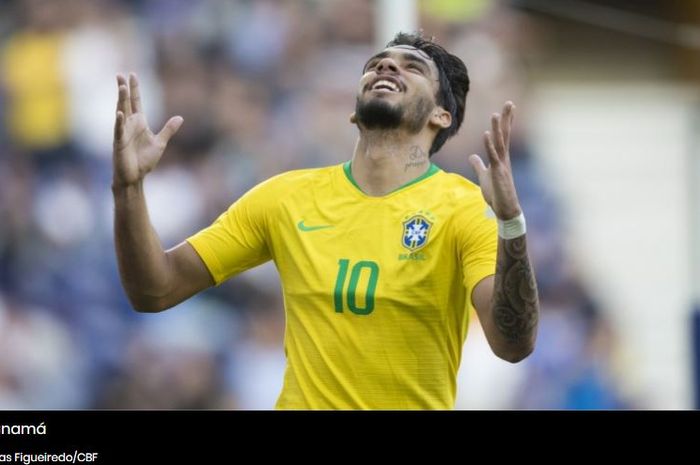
(416, 230)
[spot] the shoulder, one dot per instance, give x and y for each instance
(292, 181)
(286, 186)
(460, 191)
(467, 209)
(296, 179)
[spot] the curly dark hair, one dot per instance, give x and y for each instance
(454, 81)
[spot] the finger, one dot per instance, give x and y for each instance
(124, 103)
(120, 83)
(121, 86)
(135, 94)
(169, 129)
(121, 80)
(118, 126)
(497, 135)
(490, 149)
(508, 114)
(477, 165)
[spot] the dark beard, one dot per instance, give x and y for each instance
(378, 114)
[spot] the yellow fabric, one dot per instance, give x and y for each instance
(37, 107)
(399, 349)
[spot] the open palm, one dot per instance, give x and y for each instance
(496, 181)
(136, 149)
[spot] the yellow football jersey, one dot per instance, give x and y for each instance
(375, 288)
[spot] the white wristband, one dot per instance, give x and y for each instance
(510, 229)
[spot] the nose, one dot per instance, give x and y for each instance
(387, 64)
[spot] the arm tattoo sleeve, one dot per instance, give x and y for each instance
(515, 301)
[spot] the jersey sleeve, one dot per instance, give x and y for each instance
(477, 239)
(239, 238)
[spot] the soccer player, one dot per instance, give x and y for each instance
(380, 257)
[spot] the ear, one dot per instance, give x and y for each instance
(440, 118)
(353, 118)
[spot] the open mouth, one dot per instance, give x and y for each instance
(384, 85)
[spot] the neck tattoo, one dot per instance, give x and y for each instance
(417, 157)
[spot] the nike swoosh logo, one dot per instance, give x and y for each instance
(303, 227)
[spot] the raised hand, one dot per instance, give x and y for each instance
(496, 181)
(136, 149)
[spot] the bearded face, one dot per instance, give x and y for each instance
(397, 90)
(378, 113)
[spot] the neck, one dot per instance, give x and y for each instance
(383, 161)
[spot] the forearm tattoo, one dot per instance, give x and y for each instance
(515, 301)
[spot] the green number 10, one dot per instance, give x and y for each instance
(352, 287)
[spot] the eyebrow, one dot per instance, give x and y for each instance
(405, 55)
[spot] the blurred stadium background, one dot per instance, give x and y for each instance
(605, 159)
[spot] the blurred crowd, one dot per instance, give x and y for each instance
(264, 86)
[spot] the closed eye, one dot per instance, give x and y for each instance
(370, 66)
(414, 67)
